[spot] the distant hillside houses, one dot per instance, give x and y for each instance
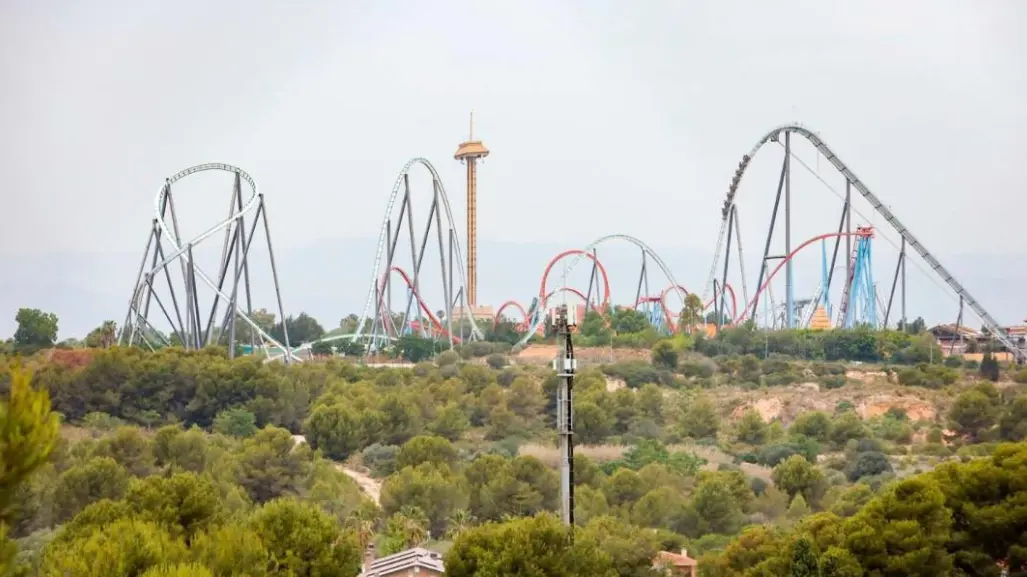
(971, 343)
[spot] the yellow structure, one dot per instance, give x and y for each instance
(469, 152)
(820, 320)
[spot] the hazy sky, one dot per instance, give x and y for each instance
(623, 116)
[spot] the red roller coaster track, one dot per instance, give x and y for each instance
(503, 307)
(436, 323)
(542, 296)
(524, 325)
(662, 299)
(788, 257)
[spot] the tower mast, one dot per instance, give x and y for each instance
(469, 152)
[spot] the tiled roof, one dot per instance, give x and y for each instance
(416, 557)
(675, 560)
(952, 328)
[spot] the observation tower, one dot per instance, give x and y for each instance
(469, 152)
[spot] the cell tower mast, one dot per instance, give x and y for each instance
(564, 320)
(469, 152)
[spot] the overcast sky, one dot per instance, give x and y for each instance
(625, 117)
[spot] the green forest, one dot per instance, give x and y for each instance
(122, 461)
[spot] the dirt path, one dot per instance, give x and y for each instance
(367, 484)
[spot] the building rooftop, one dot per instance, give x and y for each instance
(668, 559)
(969, 332)
(956, 330)
(471, 148)
(416, 558)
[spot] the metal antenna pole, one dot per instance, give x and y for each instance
(565, 367)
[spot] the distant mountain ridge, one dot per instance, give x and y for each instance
(330, 279)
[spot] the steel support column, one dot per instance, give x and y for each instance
(789, 278)
(770, 236)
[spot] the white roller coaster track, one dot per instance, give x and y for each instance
(382, 241)
(989, 322)
(181, 250)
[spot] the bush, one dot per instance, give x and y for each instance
(506, 378)
(702, 369)
(634, 373)
(927, 376)
(665, 355)
(380, 459)
(478, 349)
(867, 464)
(757, 485)
(771, 455)
(496, 361)
(235, 423)
(843, 406)
(833, 381)
(447, 358)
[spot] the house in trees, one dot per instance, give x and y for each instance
(970, 344)
(417, 562)
(676, 565)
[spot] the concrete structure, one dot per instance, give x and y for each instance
(957, 339)
(675, 564)
(417, 561)
(480, 313)
(469, 152)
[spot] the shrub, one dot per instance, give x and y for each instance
(447, 358)
(867, 464)
(496, 361)
(506, 378)
(235, 423)
(954, 361)
(833, 381)
(380, 459)
(634, 373)
(702, 369)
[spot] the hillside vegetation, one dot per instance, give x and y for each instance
(853, 453)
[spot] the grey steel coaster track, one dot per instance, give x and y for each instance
(773, 136)
(165, 245)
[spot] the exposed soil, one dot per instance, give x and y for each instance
(71, 358)
(543, 354)
(371, 487)
(368, 484)
(613, 385)
(872, 394)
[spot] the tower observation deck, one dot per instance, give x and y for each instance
(469, 152)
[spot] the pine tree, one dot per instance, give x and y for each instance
(989, 367)
(28, 433)
(798, 509)
(804, 562)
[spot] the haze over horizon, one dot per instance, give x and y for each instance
(602, 118)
